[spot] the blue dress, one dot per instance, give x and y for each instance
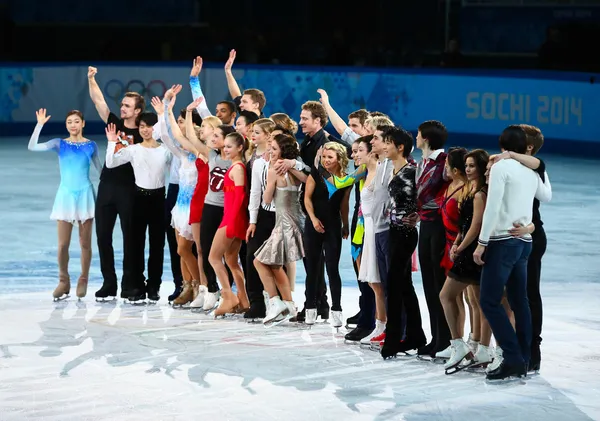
(75, 198)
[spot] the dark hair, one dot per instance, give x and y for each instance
(226, 129)
(284, 120)
(481, 158)
(195, 116)
(535, 137)
(514, 139)
(149, 118)
(288, 145)
(361, 115)
(435, 133)
(239, 140)
(366, 140)
(398, 136)
(249, 116)
(316, 110)
(283, 130)
(75, 112)
(140, 102)
(230, 105)
(457, 158)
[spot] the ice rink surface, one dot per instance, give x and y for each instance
(91, 361)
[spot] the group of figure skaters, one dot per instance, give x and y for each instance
(245, 202)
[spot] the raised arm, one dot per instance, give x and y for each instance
(234, 89)
(96, 95)
(196, 89)
(338, 122)
(171, 127)
(51, 145)
(190, 133)
(115, 159)
(527, 160)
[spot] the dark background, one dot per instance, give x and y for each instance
(551, 34)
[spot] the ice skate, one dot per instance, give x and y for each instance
(61, 292)
(227, 305)
(472, 344)
(175, 294)
(379, 329)
(82, 284)
(106, 293)
(311, 316)
(292, 310)
(459, 352)
(507, 372)
(185, 297)
(153, 295)
(496, 361)
(198, 303)
(137, 297)
(336, 320)
(277, 308)
(481, 359)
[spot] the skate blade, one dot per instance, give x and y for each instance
(152, 302)
(507, 380)
(434, 360)
(61, 298)
(106, 299)
(273, 323)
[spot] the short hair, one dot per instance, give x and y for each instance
(398, 136)
(195, 116)
(230, 105)
(361, 115)
(316, 110)
(213, 121)
(435, 133)
(288, 145)
(284, 120)
(249, 116)
(75, 112)
(282, 129)
(378, 121)
(140, 102)
(513, 139)
(226, 129)
(150, 119)
(379, 114)
(257, 96)
(535, 137)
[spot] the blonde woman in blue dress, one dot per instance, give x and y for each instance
(75, 199)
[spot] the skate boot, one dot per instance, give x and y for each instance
(138, 296)
(186, 296)
(175, 294)
(153, 294)
(211, 299)
(292, 310)
(379, 329)
(198, 303)
(353, 321)
(472, 343)
(443, 356)
(336, 319)
(459, 352)
(482, 357)
(276, 308)
(61, 292)
(356, 334)
(311, 316)
(195, 289)
(228, 304)
(82, 284)
(106, 293)
(498, 358)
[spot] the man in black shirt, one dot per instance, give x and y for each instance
(116, 191)
(252, 100)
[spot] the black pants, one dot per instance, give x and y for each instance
(171, 236)
(321, 248)
(534, 271)
(114, 198)
(264, 226)
(431, 250)
(149, 206)
(402, 299)
(211, 219)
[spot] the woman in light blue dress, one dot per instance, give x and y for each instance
(75, 198)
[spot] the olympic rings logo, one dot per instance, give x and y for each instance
(116, 89)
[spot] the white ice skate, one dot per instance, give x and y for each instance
(311, 316)
(198, 303)
(292, 310)
(336, 319)
(498, 358)
(441, 357)
(277, 308)
(472, 343)
(211, 300)
(460, 352)
(379, 329)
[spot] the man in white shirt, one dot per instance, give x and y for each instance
(512, 188)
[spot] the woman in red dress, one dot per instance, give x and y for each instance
(455, 171)
(232, 231)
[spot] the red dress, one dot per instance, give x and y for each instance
(197, 203)
(450, 213)
(235, 210)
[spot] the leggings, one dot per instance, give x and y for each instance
(211, 219)
(315, 244)
(171, 236)
(264, 226)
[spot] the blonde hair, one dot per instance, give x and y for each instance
(284, 120)
(213, 121)
(265, 124)
(342, 155)
(375, 122)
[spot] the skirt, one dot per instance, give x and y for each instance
(74, 205)
(369, 270)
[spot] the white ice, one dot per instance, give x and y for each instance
(91, 361)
